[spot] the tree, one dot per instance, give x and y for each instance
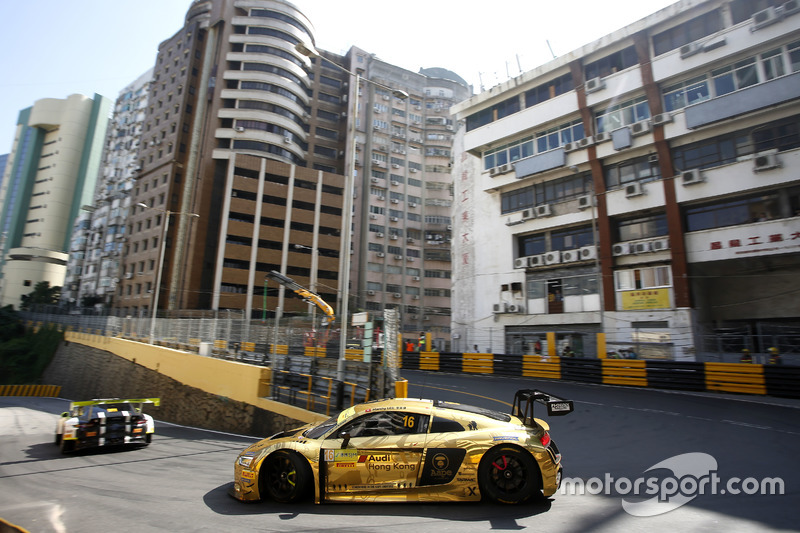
(42, 293)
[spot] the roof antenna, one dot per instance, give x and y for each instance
(551, 48)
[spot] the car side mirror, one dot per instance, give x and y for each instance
(345, 436)
(65, 414)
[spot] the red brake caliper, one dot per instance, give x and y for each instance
(505, 464)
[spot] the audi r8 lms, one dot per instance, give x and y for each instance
(109, 422)
(409, 450)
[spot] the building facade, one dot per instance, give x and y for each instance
(52, 171)
(645, 186)
(98, 236)
(254, 137)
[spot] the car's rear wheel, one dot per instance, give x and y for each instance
(509, 475)
(286, 476)
(58, 438)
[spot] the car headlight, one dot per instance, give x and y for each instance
(245, 460)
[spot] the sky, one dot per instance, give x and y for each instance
(54, 48)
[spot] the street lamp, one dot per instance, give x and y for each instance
(160, 270)
(349, 191)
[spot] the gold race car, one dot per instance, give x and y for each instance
(408, 450)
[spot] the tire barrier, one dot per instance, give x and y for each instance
(741, 378)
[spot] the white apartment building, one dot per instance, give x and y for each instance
(645, 186)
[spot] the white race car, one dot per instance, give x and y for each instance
(107, 422)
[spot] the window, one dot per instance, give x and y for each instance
(612, 63)
(734, 77)
(641, 227)
(638, 169)
(688, 32)
(642, 278)
(733, 212)
(571, 239)
(686, 93)
(622, 114)
(386, 423)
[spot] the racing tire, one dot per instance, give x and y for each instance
(58, 438)
(509, 475)
(148, 439)
(286, 477)
(67, 446)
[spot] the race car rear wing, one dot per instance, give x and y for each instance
(524, 400)
(155, 401)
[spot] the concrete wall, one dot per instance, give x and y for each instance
(194, 390)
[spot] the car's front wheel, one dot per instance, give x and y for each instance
(509, 475)
(286, 476)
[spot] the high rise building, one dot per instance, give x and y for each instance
(52, 170)
(246, 142)
(645, 186)
(98, 235)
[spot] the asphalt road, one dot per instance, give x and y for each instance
(179, 483)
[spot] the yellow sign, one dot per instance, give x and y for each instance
(645, 299)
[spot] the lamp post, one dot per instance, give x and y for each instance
(160, 269)
(349, 191)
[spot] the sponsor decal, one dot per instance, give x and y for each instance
(344, 465)
(336, 456)
(505, 437)
(246, 474)
(375, 486)
(559, 406)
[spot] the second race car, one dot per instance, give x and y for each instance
(108, 422)
(408, 450)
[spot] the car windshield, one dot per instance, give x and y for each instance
(321, 429)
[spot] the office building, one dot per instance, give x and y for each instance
(645, 186)
(52, 171)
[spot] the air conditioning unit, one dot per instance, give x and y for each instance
(641, 247)
(395, 201)
(412, 204)
(603, 136)
(588, 252)
(393, 237)
(528, 214)
(128, 275)
(516, 308)
(240, 129)
(690, 177)
(505, 167)
(502, 307)
(395, 183)
(621, 248)
(394, 219)
(552, 258)
(374, 180)
(571, 147)
(543, 210)
(412, 317)
(691, 49)
(398, 257)
(659, 245)
(371, 293)
(379, 235)
(766, 161)
(521, 262)
(410, 240)
(586, 141)
(764, 18)
(410, 259)
(661, 118)
(634, 189)
(791, 7)
(415, 297)
(395, 165)
(640, 128)
(584, 201)
(287, 140)
(569, 256)
(373, 216)
(397, 295)
(594, 85)
(413, 170)
(381, 254)
(415, 278)
(536, 260)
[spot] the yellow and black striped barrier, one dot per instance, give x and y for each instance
(30, 390)
(738, 378)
